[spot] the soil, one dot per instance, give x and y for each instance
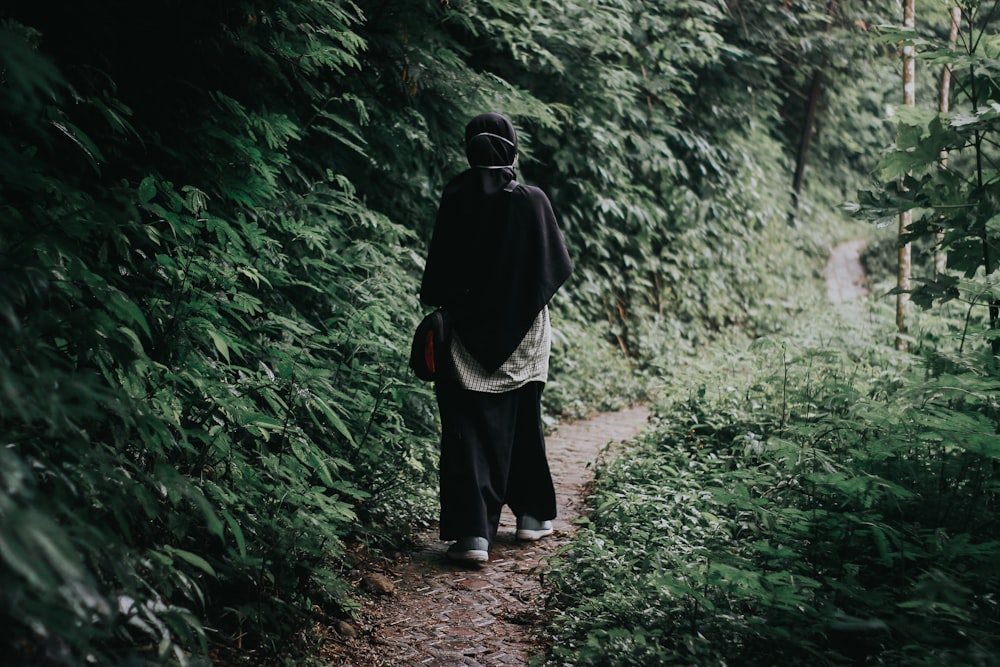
(422, 609)
(435, 612)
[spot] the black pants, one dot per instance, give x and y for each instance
(492, 454)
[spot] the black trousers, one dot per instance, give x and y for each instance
(492, 454)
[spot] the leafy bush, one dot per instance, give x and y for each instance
(813, 498)
(205, 382)
(587, 373)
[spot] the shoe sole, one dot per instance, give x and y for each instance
(472, 556)
(531, 535)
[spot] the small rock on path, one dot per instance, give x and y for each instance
(442, 613)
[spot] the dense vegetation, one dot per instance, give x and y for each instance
(213, 222)
(812, 496)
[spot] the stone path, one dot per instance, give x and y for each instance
(442, 614)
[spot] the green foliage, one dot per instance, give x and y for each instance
(940, 170)
(586, 374)
(204, 378)
(214, 216)
(802, 499)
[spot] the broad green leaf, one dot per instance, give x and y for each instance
(219, 342)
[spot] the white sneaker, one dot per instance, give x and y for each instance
(529, 528)
(470, 550)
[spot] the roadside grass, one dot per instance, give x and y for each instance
(810, 496)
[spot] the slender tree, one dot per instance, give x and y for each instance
(905, 217)
(808, 126)
(944, 104)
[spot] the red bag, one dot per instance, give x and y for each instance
(430, 351)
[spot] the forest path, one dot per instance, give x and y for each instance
(422, 609)
(845, 276)
(440, 613)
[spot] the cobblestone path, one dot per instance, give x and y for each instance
(442, 614)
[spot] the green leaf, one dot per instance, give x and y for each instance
(147, 189)
(237, 532)
(191, 558)
(219, 342)
(334, 418)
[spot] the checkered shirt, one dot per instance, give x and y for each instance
(528, 363)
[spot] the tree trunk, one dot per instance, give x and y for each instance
(905, 218)
(815, 91)
(944, 104)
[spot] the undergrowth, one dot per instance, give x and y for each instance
(808, 496)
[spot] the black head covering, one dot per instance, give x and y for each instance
(496, 256)
(491, 148)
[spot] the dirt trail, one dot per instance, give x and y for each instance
(845, 276)
(441, 613)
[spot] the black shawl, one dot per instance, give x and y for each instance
(496, 256)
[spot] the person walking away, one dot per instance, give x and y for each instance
(495, 260)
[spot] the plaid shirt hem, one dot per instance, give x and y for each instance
(528, 363)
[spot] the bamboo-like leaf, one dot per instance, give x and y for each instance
(335, 419)
(191, 558)
(219, 342)
(237, 532)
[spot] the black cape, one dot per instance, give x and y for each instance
(496, 259)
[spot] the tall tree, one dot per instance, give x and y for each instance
(905, 217)
(808, 126)
(944, 103)
(961, 199)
